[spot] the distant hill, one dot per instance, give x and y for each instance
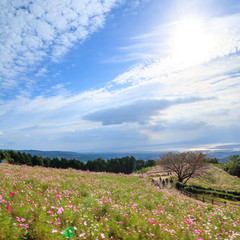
(222, 155)
(144, 155)
(84, 157)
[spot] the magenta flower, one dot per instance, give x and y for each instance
(8, 208)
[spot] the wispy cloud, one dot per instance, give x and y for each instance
(35, 30)
(220, 36)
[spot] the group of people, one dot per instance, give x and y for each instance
(162, 183)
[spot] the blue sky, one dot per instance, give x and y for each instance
(120, 75)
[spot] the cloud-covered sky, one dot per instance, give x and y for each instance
(117, 75)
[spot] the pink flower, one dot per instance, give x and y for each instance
(58, 197)
(8, 208)
(188, 221)
(54, 231)
(60, 210)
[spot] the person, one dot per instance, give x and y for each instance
(171, 181)
(160, 179)
(152, 181)
(163, 183)
(166, 181)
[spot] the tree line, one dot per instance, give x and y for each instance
(125, 165)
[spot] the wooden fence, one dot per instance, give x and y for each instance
(206, 199)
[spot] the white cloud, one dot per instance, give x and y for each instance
(219, 37)
(33, 30)
(59, 120)
(41, 72)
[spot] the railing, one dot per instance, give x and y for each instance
(206, 199)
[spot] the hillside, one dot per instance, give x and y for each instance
(44, 203)
(217, 178)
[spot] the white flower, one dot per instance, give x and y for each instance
(82, 234)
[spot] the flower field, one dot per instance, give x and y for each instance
(44, 203)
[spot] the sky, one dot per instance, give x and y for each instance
(120, 75)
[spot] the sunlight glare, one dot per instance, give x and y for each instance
(190, 41)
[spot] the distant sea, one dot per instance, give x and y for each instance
(146, 155)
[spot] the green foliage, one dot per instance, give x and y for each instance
(196, 189)
(69, 232)
(234, 165)
(143, 170)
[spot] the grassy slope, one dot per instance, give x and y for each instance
(217, 178)
(39, 203)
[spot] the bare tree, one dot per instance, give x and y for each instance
(184, 165)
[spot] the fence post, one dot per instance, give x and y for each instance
(196, 196)
(203, 198)
(225, 203)
(212, 200)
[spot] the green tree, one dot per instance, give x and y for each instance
(76, 164)
(14, 156)
(113, 165)
(99, 165)
(64, 163)
(89, 165)
(37, 161)
(233, 165)
(5, 156)
(46, 162)
(55, 163)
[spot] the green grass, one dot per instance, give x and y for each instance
(40, 203)
(217, 178)
(143, 170)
